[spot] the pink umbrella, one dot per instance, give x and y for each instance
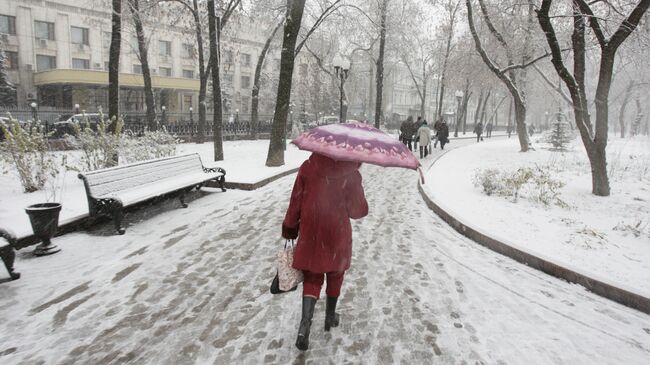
(357, 142)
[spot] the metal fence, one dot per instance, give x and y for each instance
(184, 125)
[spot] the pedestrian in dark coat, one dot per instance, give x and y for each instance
(407, 132)
(325, 196)
(443, 134)
(478, 129)
(488, 129)
(416, 128)
(436, 128)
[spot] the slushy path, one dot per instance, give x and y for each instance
(188, 286)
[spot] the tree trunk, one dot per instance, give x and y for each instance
(424, 97)
(144, 61)
(484, 106)
(114, 64)
(466, 96)
(213, 27)
(621, 114)
(520, 119)
(477, 114)
(255, 100)
(508, 128)
(380, 64)
(203, 74)
(295, 9)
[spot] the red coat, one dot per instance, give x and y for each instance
(325, 196)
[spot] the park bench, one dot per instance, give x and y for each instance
(110, 190)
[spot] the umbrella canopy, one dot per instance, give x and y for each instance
(357, 142)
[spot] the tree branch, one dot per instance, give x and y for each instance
(329, 10)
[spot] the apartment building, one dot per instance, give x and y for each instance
(58, 53)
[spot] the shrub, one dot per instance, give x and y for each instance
(151, 145)
(99, 147)
(26, 148)
(534, 183)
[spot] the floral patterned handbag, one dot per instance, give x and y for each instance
(287, 278)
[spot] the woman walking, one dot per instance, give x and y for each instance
(326, 194)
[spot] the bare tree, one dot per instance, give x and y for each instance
(295, 10)
(255, 99)
(114, 63)
(383, 10)
(508, 75)
(451, 10)
(143, 56)
(595, 141)
(213, 27)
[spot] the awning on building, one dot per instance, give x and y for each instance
(91, 77)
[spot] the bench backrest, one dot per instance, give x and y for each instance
(104, 182)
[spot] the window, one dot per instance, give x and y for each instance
(107, 66)
(245, 59)
(245, 82)
(45, 62)
(12, 60)
(227, 57)
(188, 50)
(245, 104)
(165, 71)
(137, 69)
(164, 48)
(106, 39)
(79, 35)
(44, 30)
(80, 63)
(188, 74)
(228, 78)
(7, 24)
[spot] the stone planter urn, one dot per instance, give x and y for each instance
(44, 218)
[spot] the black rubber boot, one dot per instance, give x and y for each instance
(331, 317)
(308, 304)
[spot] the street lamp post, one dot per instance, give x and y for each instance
(191, 122)
(342, 69)
(459, 98)
(33, 105)
(164, 116)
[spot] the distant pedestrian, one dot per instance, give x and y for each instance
(423, 136)
(416, 127)
(478, 129)
(407, 132)
(488, 129)
(325, 196)
(509, 129)
(436, 129)
(531, 130)
(443, 134)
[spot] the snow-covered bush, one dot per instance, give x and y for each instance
(149, 146)
(98, 145)
(490, 181)
(533, 183)
(26, 149)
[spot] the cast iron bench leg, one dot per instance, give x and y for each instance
(117, 214)
(8, 256)
(181, 197)
(222, 181)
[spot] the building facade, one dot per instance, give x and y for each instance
(58, 53)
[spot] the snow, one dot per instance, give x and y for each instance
(607, 238)
(190, 286)
(244, 163)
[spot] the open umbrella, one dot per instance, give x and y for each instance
(357, 142)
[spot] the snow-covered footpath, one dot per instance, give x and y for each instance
(244, 163)
(607, 238)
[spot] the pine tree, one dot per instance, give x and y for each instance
(7, 89)
(560, 135)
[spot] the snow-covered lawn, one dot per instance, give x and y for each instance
(605, 237)
(244, 163)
